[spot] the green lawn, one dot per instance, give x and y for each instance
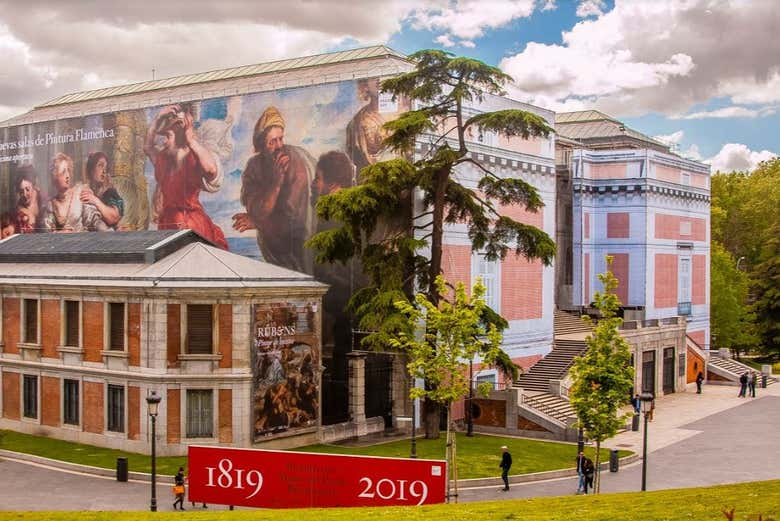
(85, 454)
(748, 499)
(478, 456)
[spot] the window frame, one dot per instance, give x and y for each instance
(66, 323)
(185, 329)
(24, 321)
(108, 329)
(122, 405)
(190, 434)
(36, 395)
(65, 407)
(491, 298)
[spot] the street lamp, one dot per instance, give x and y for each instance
(153, 401)
(469, 413)
(413, 454)
(647, 400)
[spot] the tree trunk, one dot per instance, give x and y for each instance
(437, 234)
(452, 445)
(597, 470)
(431, 419)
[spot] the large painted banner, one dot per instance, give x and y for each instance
(243, 171)
(280, 479)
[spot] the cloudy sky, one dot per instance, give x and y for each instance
(704, 75)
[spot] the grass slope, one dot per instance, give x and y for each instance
(748, 499)
(478, 456)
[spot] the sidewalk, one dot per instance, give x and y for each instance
(673, 411)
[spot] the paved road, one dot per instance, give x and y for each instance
(738, 444)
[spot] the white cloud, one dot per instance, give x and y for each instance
(549, 5)
(692, 152)
(673, 139)
(591, 8)
(659, 56)
(468, 19)
(730, 112)
(736, 156)
(445, 40)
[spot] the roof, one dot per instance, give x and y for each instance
(141, 247)
(195, 265)
(593, 124)
(377, 51)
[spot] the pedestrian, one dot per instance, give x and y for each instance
(589, 470)
(178, 489)
(743, 380)
(651, 411)
(699, 380)
(581, 486)
(637, 403)
(506, 464)
(752, 384)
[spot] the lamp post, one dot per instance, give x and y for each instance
(413, 454)
(470, 418)
(153, 402)
(647, 400)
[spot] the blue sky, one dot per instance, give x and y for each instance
(705, 74)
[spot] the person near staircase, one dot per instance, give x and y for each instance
(743, 380)
(506, 464)
(752, 384)
(699, 380)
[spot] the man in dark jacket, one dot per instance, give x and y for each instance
(506, 463)
(699, 380)
(743, 380)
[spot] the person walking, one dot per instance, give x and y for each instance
(506, 464)
(743, 380)
(588, 470)
(581, 485)
(636, 402)
(752, 384)
(178, 489)
(699, 380)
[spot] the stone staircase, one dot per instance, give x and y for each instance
(565, 323)
(552, 406)
(731, 369)
(554, 366)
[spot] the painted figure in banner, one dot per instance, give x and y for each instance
(334, 171)
(182, 168)
(28, 211)
(101, 193)
(275, 193)
(7, 225)
(365, 133)
(65, 212)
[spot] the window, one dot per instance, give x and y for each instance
(72, 329)
(116, 326)
(70, 402)
(684, 289)
(490, 273)
(200, 329)
(685, 227)
(30, 321)
(685, 178)
(200, 413)
(116, 408)
(486, 378)
(30, 392)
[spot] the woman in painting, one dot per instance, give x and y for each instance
(65, 212)
(101, 192)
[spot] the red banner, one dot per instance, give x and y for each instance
(282, 479)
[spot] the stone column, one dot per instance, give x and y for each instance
(357, 388)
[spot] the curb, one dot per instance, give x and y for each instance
(84, 469)
(538, 476)
(164, 479)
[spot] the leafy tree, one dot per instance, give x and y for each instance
(603, 378)
(767, 288)
(440, 339)
(732, 322)
(377, 219)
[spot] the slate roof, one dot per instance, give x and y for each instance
(592, 124)
(192, 265)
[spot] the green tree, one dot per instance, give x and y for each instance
(732, 322)
(377, 221)
(603, 378)
(767, 289)
(440, 340)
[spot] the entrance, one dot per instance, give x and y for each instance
(379, 387)
(648, 372)
(669, 370)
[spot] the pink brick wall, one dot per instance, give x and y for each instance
(529, 146)
(699, 290)
(665, 280)
(586, 278)
(698, 336)
(668, 227)
(699, 180)
(586, 226)
(618, 225)
(456, 264)
(608, 171)
(620, 270)
(521, 288)
(667, 173)
(520, 214)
